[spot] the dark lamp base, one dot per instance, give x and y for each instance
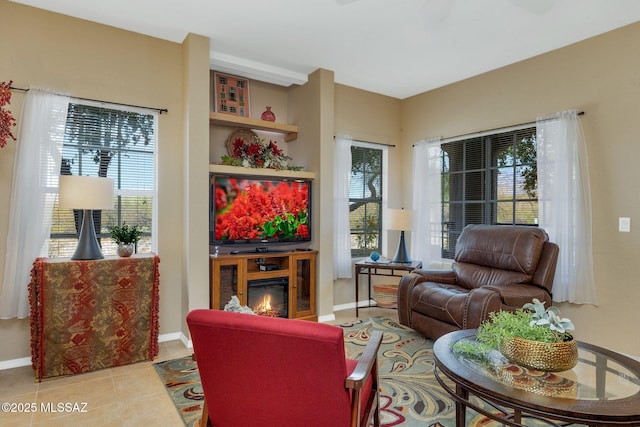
(402, 256)
(88, 247)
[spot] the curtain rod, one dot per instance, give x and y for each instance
(449, 138)
(371, 142)
(159, 110)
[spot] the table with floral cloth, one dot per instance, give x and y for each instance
(88, 315)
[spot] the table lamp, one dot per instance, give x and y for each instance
(400, 219)
(87, 193)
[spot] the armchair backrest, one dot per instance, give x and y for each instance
(257, 370)
(496, 254)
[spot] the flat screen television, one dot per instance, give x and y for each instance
(250, 209)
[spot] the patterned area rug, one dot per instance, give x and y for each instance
(410, 394)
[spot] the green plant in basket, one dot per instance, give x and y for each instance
(532, 336)
(532, 322)
(125, 234)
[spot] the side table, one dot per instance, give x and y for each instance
(88, 315)
(381, 268)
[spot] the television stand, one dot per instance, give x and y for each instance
(230, 275)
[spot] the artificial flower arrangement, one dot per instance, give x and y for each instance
(6, 119)
(258, 154)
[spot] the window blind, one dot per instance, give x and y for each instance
(488, 179)
(365, 200)
(115, 143)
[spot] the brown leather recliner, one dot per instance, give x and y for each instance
(497, 267)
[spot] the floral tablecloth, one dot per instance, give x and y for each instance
(88, 315)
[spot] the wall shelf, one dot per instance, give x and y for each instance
(290, 132)
(239, 170)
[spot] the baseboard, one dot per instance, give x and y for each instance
(186, 341)
(170, 337)
(15, 363)
(327, 318)
(352, 305)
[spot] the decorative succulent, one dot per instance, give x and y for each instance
(549, 318)
(532, 322)
(125, 234)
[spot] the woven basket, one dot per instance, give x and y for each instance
(386, 296)
(548, 357)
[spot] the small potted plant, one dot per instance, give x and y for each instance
(126, 237)
(532, 336)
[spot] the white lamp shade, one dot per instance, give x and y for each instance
(399, 219)
(85, 192)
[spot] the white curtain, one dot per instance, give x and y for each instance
(564, 201)
(342, 232)
(35, 181)
(426, 237)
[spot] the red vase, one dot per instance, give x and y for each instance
(268, 115)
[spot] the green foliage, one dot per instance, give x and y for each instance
(474, 350)
(368, 225)
(549, 318)
(125, 234)
(522, 323)
(285, 226)
(524, 153)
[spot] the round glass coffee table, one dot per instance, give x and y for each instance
(602, 390)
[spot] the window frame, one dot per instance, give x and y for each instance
(490, 199)
(152, 193)
(384, 149)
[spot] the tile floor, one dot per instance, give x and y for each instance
(129, 395)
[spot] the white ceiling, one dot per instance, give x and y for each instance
(393, 47)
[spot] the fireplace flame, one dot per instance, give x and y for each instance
(265, 308)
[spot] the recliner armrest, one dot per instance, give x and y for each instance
(439, 276)
(411, 280)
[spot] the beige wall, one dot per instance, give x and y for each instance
(601, 77)
(371, 117)
(88, 60)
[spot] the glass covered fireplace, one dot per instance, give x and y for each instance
(269, 297)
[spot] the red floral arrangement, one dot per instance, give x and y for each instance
(257, 154)
(250, 210)
(6, 119)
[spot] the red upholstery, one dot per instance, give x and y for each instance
(264, 371)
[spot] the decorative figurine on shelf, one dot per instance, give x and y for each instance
(268, 115)
(375, 256)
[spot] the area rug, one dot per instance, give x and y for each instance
(410, 394)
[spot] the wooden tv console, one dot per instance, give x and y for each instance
(231, 274)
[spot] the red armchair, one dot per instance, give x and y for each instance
(258, 370)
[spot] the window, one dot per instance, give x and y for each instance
(488, 179)
(117, 144)
(365, 199)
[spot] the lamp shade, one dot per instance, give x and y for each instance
(399, 219)
(85, 192)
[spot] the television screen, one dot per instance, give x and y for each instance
(259, 210)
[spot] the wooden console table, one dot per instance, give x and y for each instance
(88, 315)
(232, 274)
